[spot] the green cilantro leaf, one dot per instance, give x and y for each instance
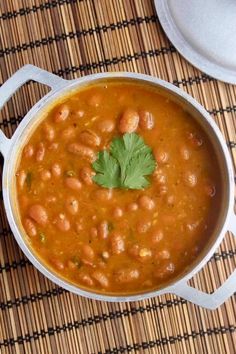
(107, 169)
(127, 165)
(136, 170)
(128, 148)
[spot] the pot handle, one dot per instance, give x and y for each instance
(4, 144)
(214, 300)
(19, 78)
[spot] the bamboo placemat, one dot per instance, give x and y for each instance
(74, 38)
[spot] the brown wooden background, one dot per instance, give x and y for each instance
(73, 38)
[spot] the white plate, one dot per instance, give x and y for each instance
(204, 32)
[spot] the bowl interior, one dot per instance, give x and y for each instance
(38, 113)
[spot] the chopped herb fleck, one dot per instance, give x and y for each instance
(110, 226)
(76, 261)
(131, 235)
(28, 180)
(70, 173)
(42, 237)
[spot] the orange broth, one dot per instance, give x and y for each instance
(114, 240)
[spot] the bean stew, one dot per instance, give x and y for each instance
(118, 188)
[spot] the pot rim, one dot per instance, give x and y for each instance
(33, 115)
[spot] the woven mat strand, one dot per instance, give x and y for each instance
(75, 38)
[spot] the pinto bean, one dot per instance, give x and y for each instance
(45, 175)
(132, 207)
(62, 223)
(86, 279)
(28, 151)
(117, 243)
(62, 114)
(142, 255)
(105, 255)
(21, 177)
(146, 202)
(190, 179)
(117, 213)
(146, 120)
(159, 176)
(163, 254)
(40, 152)
(170, 199)
(143, 226)
(82, 151)
(56, 170)
(87, 252)
(106, 126)
(79, 113)
(103, 229)
(157, 236)
(195, 140)
(129, 121)
(162, 189)
(30, 227)
(57, 263)
(89, 137)
(192, 226)
(39, 214)
(184, 153)
(165, 270)
(49, 132)
(73, 183)
(126, 275)
(86, 175)
(68, 133)
(210, 189)
(103, 195)
(101, 278)
(161, 156)
(72, 205)
(53, 146)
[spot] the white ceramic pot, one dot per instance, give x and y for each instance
(10, 149)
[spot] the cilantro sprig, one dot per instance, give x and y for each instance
(126, 165)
